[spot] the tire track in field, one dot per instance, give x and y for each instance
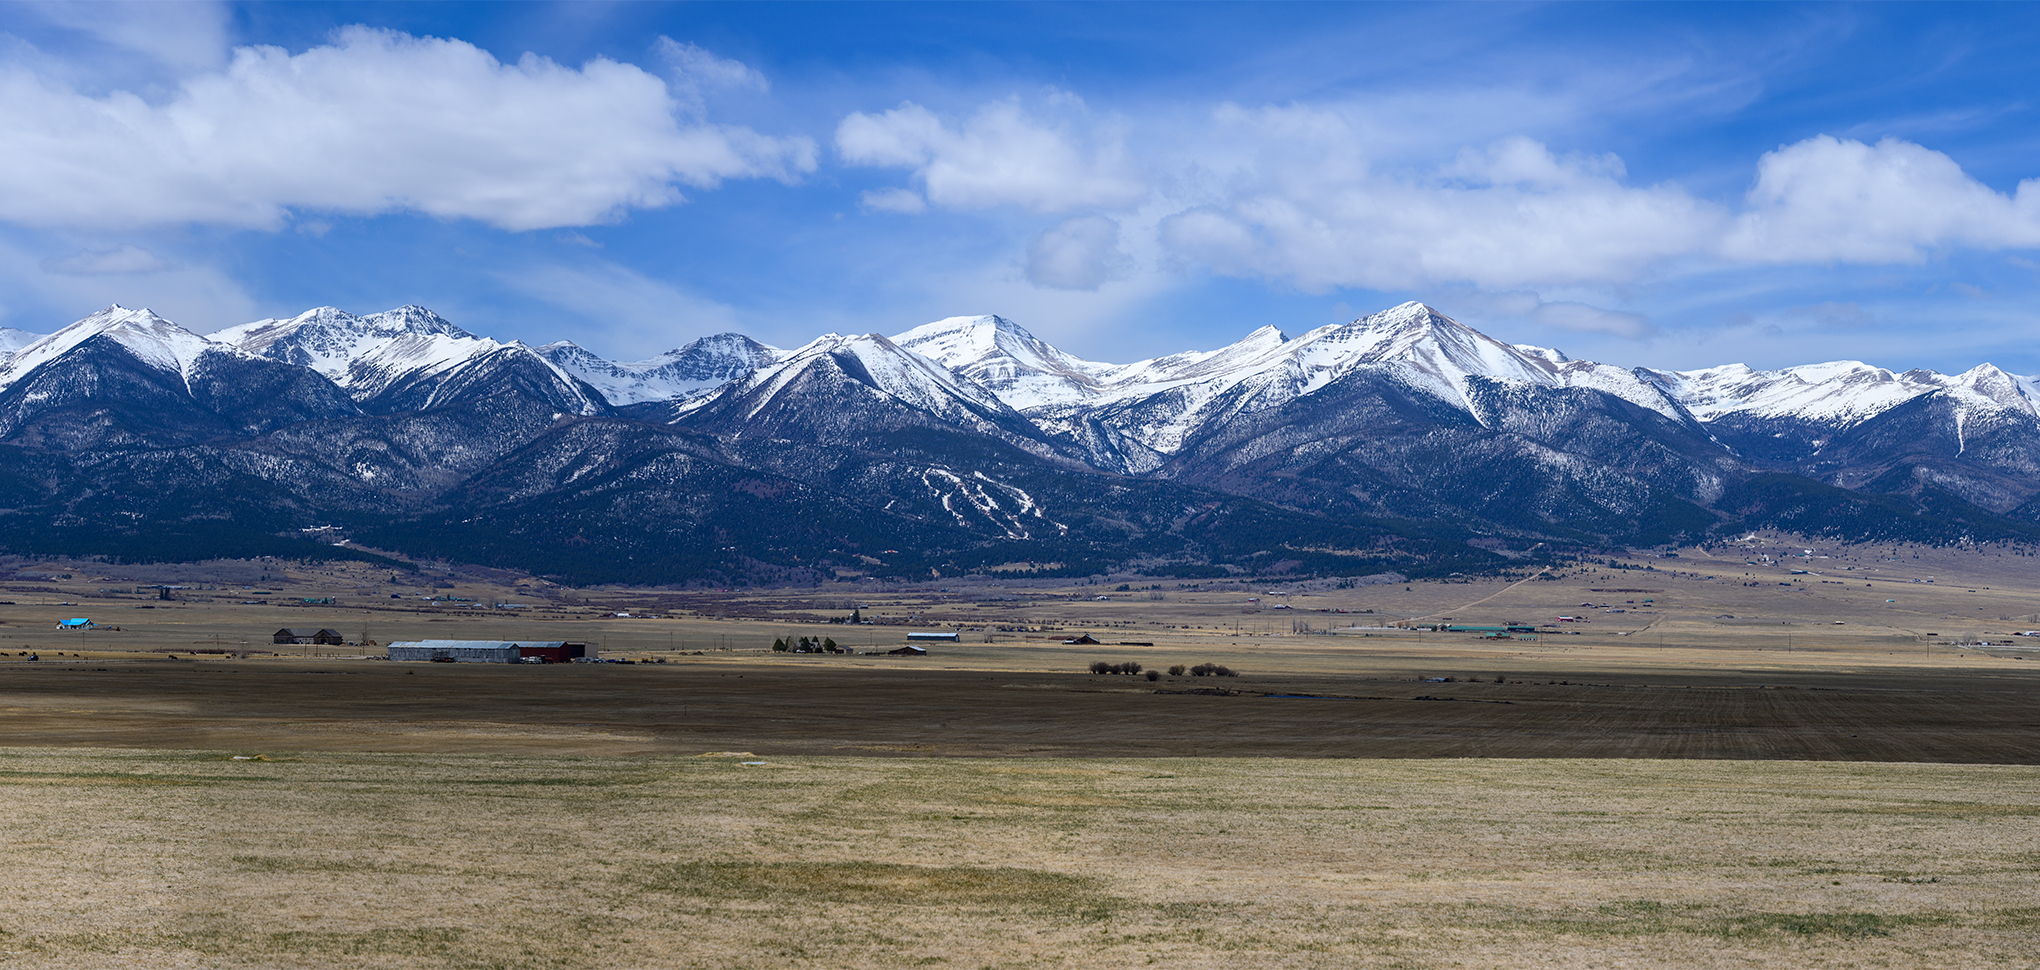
(1541, 571)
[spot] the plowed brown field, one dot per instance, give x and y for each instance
(863, 706)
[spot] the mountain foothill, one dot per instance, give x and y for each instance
(1401, 442)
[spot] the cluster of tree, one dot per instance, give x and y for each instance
(809, 645)
(1133, 667)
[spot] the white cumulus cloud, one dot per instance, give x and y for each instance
(1830, 199)
(1298, 194)
(376, 121)
(1002, 155)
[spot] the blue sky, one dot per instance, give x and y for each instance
(1647, 184)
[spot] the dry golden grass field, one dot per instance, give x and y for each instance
(138, 858)
(1768, 756)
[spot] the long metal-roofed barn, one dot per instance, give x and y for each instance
(490, 651)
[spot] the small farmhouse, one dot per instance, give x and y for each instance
(77, 623)
(909, 651)
(331, 638)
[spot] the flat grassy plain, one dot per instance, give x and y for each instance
(189, 859)
(1735, 761)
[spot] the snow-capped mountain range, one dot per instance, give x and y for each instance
(992, 362)
(1403, 414)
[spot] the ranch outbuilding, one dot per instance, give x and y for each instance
(491, 651)
(326, 637)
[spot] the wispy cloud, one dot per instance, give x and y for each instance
(183, 37)
(1002, 155)
(1079, 254)
(619, 312)
(44, 293)
(122, 260)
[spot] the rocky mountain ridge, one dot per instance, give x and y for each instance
(1403, 439)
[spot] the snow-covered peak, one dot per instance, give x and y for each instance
(364, 354)
(879, 362)
(413, 319)
(150, 338)
(332, 341)
(12, 340)
(1246, 355)
(1438, 352)
(381, 362)
(1989, 383)
(1841, 392)
(882, 365)
(1542, 353)
(687, 372)
(1837, 392)
(261, 332)
(956, 341)
(1024, 370)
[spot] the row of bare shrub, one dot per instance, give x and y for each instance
(1131, 667)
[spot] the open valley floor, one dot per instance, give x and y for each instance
(162, 858)
(1735, 761)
